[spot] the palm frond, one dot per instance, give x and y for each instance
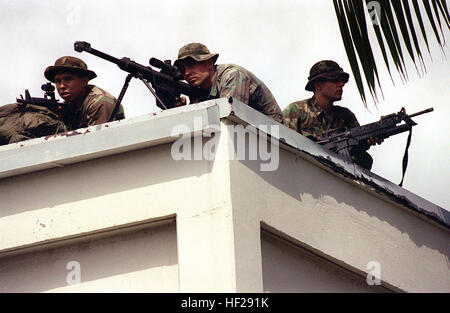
(349, 47)
(392, 18)
(433, 24)
(442, 4)
(413, 33)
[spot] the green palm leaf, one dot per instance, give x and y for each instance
(413, 33)
(393, 17)
(433, 24)
(444, 11)
(349, 47)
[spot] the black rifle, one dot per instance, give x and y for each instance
(48, 101)
(167, 83)
(340, 140)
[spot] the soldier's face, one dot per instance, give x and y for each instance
(198, 74)
(331, 89)
(71, 87)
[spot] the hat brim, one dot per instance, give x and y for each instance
(196, 57)
(51, 71)
(343, 76)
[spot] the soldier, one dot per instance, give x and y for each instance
(84, 104)
(19, 122)
(313, 116)
(224, 80)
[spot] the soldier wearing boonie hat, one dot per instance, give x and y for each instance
(84, 104)
(195, 51)
(311, 117)
(224, 80)
(328, 70)
(68, 64)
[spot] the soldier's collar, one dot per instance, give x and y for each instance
(315, 107)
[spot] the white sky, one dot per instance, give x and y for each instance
(278, 41)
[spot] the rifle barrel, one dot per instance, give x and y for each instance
(135, 68)
(80, 46)
(421, 112)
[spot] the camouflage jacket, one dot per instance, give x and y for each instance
(307, 118)
(95, 109)
(235, 81)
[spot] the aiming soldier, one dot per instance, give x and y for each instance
(224, 80)
(313, 116)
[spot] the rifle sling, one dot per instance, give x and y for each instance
(405, 156)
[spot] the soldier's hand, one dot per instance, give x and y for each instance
(373, 141)
(180, 101)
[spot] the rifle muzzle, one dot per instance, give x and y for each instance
(80, 46)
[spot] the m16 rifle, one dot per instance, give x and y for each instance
(341, 140)
(167, 83)
(48, 101)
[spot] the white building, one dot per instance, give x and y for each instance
(111, 208)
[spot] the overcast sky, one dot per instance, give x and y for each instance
(278, 41)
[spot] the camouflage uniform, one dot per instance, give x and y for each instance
(20, 122)
(97, 105)
(95, 109)
(309, 119)
(235, 81)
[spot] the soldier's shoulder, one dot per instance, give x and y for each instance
(229, 69)
(97, 91)
(99, 95)
(296, 106)
(343, 111)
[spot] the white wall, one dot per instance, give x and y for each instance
(218, 207)
(138, 259)
(339, 220)
(289, 268)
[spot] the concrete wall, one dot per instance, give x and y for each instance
(122, 191)
(124, 261)
(290, 268)
(141, 221)
(339, 221)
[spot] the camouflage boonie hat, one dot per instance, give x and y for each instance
(68, 63)
(196, 51)
(326, 69)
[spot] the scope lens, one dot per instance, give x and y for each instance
(47, 87)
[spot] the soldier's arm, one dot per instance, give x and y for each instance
(291, 116)
(351, 121)
(234, 84)
(99, 110)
